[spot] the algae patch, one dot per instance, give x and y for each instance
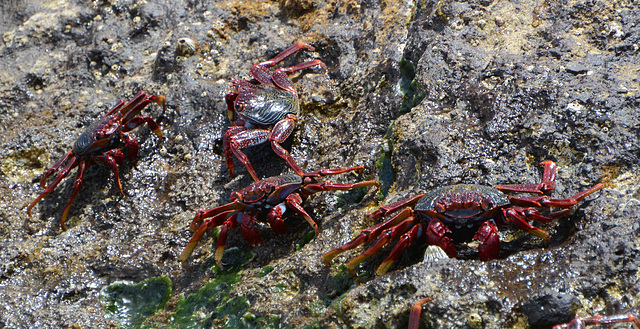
(23, 165)
(213, 306)
(129, 305)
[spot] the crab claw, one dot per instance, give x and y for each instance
(274, 218)
(249, 232)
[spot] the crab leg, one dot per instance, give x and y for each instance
(285, 53)
(244, 139)
(111, 160)
(329, 186)
(385, 237)
(61, 175)
(294, 202)
(548, 181)
(513, 216)
(368, 234)
(222, 238)
(582, 323)
(138, 103)
(226, 144)
(404, 242)
(278, 77)
(54, 168)
(489, 247)
(204, 214)
(547, 202)
(391, 208)
(335, 171)
(217, 220)
(76, 187)
(279, 134)
(140, 120)
(416, 311)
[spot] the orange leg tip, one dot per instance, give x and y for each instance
(384, 267)
(541, 234)
(328, 257)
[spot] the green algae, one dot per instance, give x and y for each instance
(308, 237)
(386, 176)
(129, 305)
(214, 306)
(265, 270)
(412, 93)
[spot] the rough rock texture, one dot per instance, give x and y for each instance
(421, 93)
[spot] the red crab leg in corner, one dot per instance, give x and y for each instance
(582, 323)
(416, 311)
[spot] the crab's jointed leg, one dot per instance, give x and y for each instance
(54, 168)
(582, 323)
(368, 234)
(73, 162)
(548, 181)
(416, 311)
(76, 187)
(280, 132)
(412, 231)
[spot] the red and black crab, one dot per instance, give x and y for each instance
(106, 142)
(458, 212)
(264, 109)
(264, 201)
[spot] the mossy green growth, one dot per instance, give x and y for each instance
(386, 176)
(308, 237)
(341, 282)
(129, 305)
(214, 307)
(265, 270)
(412, 94)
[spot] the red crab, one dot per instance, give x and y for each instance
(264, 201)
(454, 213)
(264, 109)
(582, 323)
(105, 142)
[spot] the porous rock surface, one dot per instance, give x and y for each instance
(421, 93)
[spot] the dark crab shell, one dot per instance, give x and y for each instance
(110, 130)
(275, 189)
(463, 205)
(264, 105)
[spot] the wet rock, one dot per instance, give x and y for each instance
(547, 308)
(421, 93)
